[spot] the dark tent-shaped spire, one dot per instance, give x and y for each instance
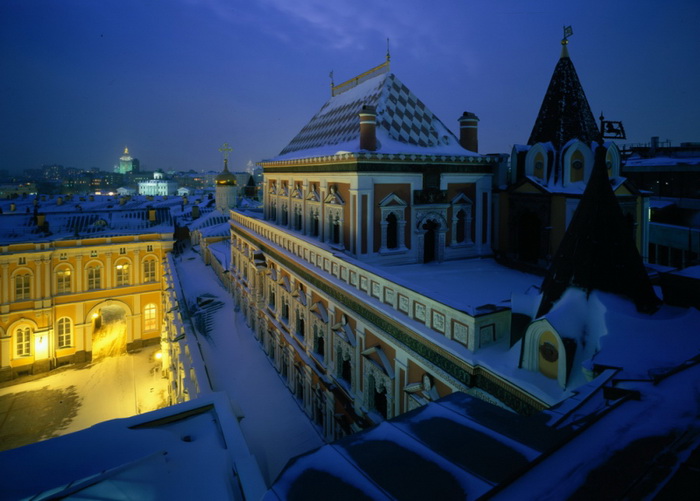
(598, 250)
(565, 113)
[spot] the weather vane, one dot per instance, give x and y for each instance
(568, 31)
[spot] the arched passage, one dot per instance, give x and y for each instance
(110, 329)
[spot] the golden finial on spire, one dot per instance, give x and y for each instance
(388, 54)
(126, 150)
(568, 31)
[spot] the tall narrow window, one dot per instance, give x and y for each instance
(94, 277)
(64, 330)
(23, 286)
(63, 281)
(392, 232)
(149, 270)
(150, 321)
(23, 337)
(122, 274)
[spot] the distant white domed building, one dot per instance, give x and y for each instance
(159, 185)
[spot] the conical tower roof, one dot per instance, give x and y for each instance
(598, 250)
(565, 113)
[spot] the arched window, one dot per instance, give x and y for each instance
(63, 280)
(23, 336)
(64, 330)
(149, 270)
(150, 320)
(23, 286)
(577, 164)
(285, 309)
(94, 277)
(122, 273)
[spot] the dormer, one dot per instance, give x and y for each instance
(612, 159)
(537, 162)
(577, 162)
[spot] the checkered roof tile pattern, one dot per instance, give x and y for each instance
(400, 113)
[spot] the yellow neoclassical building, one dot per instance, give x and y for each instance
(79, 276)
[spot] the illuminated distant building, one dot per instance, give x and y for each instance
(159, 185)
(127, 164)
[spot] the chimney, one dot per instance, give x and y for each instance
(368, 126)
(468, 131)
(13, 207)
(40, 220)
(59, 201)
(195, 211)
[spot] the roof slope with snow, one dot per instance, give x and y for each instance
(100, 217)
(404, 123)
(434, 445)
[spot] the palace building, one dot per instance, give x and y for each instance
(71, 267)
(374, 185)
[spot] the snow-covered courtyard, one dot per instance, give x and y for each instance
(76, 397)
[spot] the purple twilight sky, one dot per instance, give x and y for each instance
(173, 79)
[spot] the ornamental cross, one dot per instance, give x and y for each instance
(225, 149)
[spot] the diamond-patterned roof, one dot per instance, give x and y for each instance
(400, 115)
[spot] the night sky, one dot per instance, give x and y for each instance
(174, 79)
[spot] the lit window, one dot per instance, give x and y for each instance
(63, 281)
(64, 330)
(23, 286)
(122, 274)
(23, 337)
(149, 270)
(149, 317)
(94, 277)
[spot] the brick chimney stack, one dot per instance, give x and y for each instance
(468, 131)
(368, 128)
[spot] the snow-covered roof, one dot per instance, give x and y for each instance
(404, 123)
(428, 445)
(97, 216)
(178, 452)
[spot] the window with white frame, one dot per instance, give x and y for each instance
(63, 280)
(23, 286)
(461, 220)
(122, 273)
(149, 270)
(23, 337)
(150, 320)
(393, 223)
(64, 332)
(94, 277)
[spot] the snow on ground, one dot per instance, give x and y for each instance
(274, 425)
(114, 387)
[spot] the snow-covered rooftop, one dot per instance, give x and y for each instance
(404, 124)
